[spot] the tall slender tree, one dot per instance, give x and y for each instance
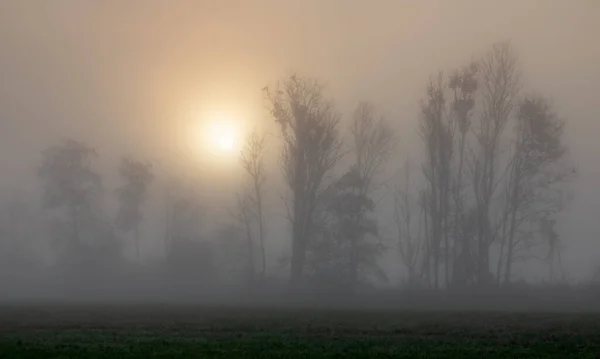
(437, 133)
(536, 169)
(244, 217)
(252, 203)
(463, 85)
(499, 90)
(373, 142)
(410, 244)
(311, 148)
(137, 176)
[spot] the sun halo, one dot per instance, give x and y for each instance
(223, 136)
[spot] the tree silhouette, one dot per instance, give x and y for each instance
(251, 201)
(309, 128)
(137, 176)
(499, 88)
(486, 186)
(345, 250)
(410, 243)
(535, 170)
(373, 142)
(70, 183)
(437, 133)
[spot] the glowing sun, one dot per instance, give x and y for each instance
(223, 136)
(219, 136)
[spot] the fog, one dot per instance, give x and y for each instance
(134, 78)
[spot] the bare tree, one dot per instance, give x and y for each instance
(463, 85)
(437, 133)
(553, 258)
(499, 87)
(132, 195)
(373, 141)
(252, 162)
(311, 148)
(536, 170)
(73, 190)
(409, 242)
(514, 178)
(70, 183)
(244, 217)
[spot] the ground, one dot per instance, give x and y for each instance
(163, 331)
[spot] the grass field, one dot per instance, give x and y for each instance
(81, 331)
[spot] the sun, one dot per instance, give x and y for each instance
(223, 136)
(215, 137)
(218, 136)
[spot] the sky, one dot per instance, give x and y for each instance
(126, 76)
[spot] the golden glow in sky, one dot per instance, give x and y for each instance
(223, 135)
(216, 135)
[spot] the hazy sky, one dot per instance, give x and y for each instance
(122, 75)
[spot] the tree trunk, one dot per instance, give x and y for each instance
(298, 257)
(299, 217)
(510, 208)
(445, 231)
(484, 232)
(435, 223)
(261, 231)
(75, 227)
(501, 255)
(482, 248)
(137, 240)
(427, 261)
(251, 264)
(298, 250)
(353, 270)
(458, 237)
(511, 235)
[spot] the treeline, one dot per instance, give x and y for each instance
(484, 198)
(491, 180)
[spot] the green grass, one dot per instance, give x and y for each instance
(189, 332)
